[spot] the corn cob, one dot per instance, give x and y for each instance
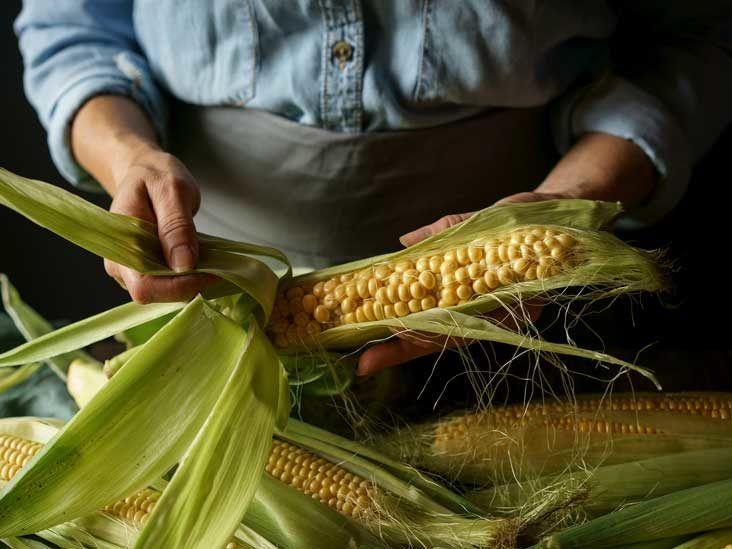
(397, 289)
(16, 452)
(521, 441)
(354, 497)
(321, 479)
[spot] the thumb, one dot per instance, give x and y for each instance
(176, 230)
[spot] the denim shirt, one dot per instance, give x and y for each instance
(657, 73)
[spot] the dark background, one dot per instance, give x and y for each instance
(59, 279)
(690, 329)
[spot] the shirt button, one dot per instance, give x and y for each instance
(342, 52)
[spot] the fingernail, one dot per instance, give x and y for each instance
(181, 258)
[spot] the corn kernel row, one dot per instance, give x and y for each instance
(321, 479)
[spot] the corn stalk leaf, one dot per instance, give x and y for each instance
(217, 479)
(135, 429)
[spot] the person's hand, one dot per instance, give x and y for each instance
(158, 188)
(112, 137)
(407, 345)
(599, 167)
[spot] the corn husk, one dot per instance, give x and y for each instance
(32, 325)
(278, 514)
(717, 539)
(689, 511)
(134, 243)
(610, 487)
(612, 268)
(85, 467)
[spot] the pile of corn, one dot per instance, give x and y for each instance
(394, 290)
(500, 258)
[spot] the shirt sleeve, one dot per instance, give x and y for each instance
(75, 50)
(668, 92)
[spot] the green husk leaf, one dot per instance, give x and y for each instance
(576, 213)
(25, 543)
(454, 324)
(135, 429)
(667, 543)
(32, 325)
(609, 487)
(85, 332)
(445, 497)
(31, 428)
(683, 512)
(137, 335)
(133, 242)
(290, 519)
(207, 497)
(710, 540)
(11, 378)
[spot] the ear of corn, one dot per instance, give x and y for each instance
(684, 512)
(601, 490)
(521, 441)
(483, 264)
(289, 520)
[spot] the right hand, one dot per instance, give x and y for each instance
(157, 187)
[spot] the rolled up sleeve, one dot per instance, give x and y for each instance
(671, 99)
(73, 51)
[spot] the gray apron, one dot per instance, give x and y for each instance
(326, 198)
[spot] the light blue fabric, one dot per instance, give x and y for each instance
(411, 64)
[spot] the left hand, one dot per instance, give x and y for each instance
(599, 167)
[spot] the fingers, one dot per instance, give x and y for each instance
(392, 353)
(154, 289)
(410, 345)
(174, 201)
(528, 197)
(440, 225)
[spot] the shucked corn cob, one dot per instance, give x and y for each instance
(526, 440)
(397, 289)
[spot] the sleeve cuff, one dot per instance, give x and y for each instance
(130, 83)
(617, 107)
